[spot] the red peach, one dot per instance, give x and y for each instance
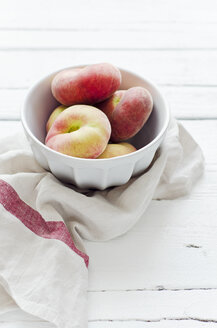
(88, 85)
(127, 111)
(80, 131)
(119, 149)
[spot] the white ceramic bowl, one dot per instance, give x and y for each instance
(94, 173)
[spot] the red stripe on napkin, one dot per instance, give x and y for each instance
(34, 221)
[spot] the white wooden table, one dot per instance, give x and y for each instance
(163, 273)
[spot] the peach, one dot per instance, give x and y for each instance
(54, 115)
(119, 149)
(79, 131)
(127, 111)
(88, 85)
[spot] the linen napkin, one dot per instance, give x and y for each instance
(43, 264)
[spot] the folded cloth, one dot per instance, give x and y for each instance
(43, 265)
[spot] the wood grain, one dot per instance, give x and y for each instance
(185, 102)
(151, 36)
(181, 323)
(68, 14)
(20, 69)
(141, 306)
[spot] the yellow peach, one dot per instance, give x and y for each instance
(80, 131)
(119, 149)
(54, 115)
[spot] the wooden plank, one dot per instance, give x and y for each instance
(94, 14)
(121, 324)
(141, 324)
(152, 36)
(128, 309)
(185, 102)
(173, 246)
(8, 128)
(204, 132)
(192, 102)
(11, 102)
(19, 69)
(154, 306)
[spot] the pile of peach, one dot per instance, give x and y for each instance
(94, 117)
